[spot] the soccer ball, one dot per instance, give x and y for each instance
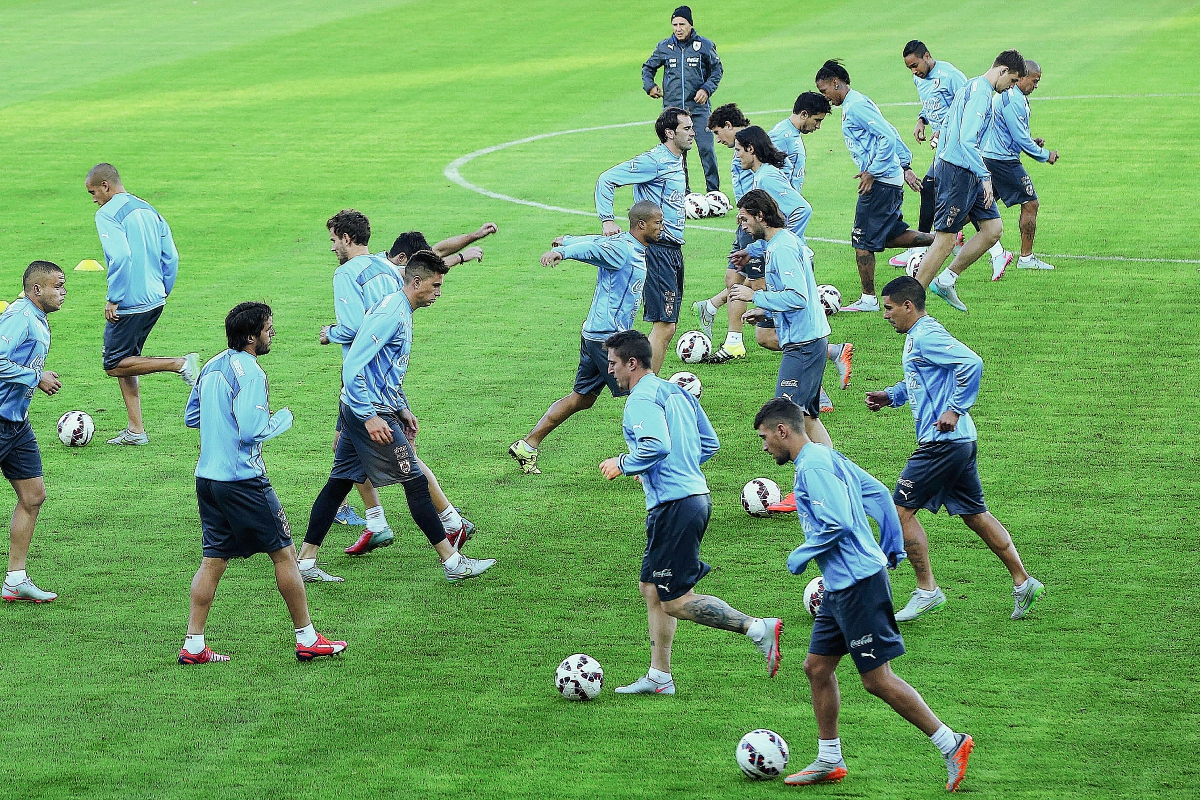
(814, 594)
(688, 382)
(831, 298)
(758, 494)
(718, 203)
(696, 206)
(579, 677)
(693, 347)
(75, 429)
(914, 264)
(762, 754)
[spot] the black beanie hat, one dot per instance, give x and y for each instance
(685, 12)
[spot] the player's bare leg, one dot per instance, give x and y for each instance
(132, 366)
(660, 337)
(996, 537)
(989, 233)
(31, 494)
(291, 587)
(916, 544)
(662, 628)
(133, 403)
(204, 589)
(816, 431)
(826, 698)
(713, 612)
(1028, 225)
(903, 698)
(935, 256)
(559, 412)
(865, 261)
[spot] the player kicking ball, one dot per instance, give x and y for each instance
(669, 437)
(834, 497)
(239, 511)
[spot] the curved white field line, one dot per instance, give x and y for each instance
(453, 171)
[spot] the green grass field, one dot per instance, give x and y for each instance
(248, 124)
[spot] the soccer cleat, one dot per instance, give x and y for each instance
(818, 772)
(1032, 262)
(370, 540)
(826, 403)
(862, 304)
(128, 437)
(205, 656)
(844, 365)
(26, 592)
(191, 369)
(706, 318)
(461, 536)
(315, 574)
(921, 603)
(468, 568)
(346, 515)
(526, 456)
(770, 645)
(949, 294)
(901, 261)
(644, 685)
(1000, 264)
(956, 762)
(318, 649)
(784, 506)
(1023, 599)
(726, 352)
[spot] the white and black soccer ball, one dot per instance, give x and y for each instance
(688, 382)
(75, 428)
(814, 595)
(718, 203)
(695, 206)
(762, 755)
(693, 347)
(914, 264)
(579, 677)
(758, 494)
(830, 297)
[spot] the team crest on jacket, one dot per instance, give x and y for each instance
(695, 45)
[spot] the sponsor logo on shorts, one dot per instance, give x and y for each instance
(662, 573)
(792, 384)
(664, 586)
(905, 482)
(868, 654)
(870, 637)
(903, 493)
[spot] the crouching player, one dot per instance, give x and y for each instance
(834, 497)
(239, 511)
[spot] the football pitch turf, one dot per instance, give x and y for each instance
(247, 125)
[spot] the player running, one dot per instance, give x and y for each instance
(657, 176)
(621, 263)
(377, 425)
(834, 497)
(669, 437)
(239, 511)
(1003, 144)
(964, 186)
(941, 381)
(24, 343)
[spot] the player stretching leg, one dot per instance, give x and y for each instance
(1002, 147)
(239, 510)
(835, 497)
(669, 437)
(24, 343)
(944, 374)
(621, 262)
(377, 424)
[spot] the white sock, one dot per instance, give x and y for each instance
(947, 278)
(194, 643)
(15, 577)
(658, 676)
(711, 308)
(927, 592)
(451, 521)
(996, 250)
(732, 338)
(307, 563)
(757, 630)
(1021, 586)
(453, 561)
(307, 635)
(944, 739)
(829, 750)
(376, 521)
(1027, 258)
(868, 298)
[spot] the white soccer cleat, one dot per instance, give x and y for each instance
(1032, 262)
(644, 685)
(315, 574)
(901, 261)
(863, 304)
(191, 369)
(27, 592)
(468, 568)
(1000, 264)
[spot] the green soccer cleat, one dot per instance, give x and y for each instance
(920, 604)
(1025, 595)
(526, 456)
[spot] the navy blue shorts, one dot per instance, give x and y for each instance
(1010, 182)
(754, 267)
(593, 375)
(959, 198)
(241, 518)
(663, 291)
(358, 457)
(942, 474)
(127, 336)
(860, 621)
(877, 218)
(800, 374)
(20, 458)
(673, 533)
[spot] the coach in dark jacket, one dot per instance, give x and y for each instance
(691, 72)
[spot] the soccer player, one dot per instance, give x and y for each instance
(142, 266)
(964, 186)
(239, 511)
(834, 497)
(360, 281)
(669, 437)
(791, 299)
(24, 343)
(941, 381)
(462, 246)
(884, 166)
(621, 271)
(1003, 144)
(657, 176)
(377, 425)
